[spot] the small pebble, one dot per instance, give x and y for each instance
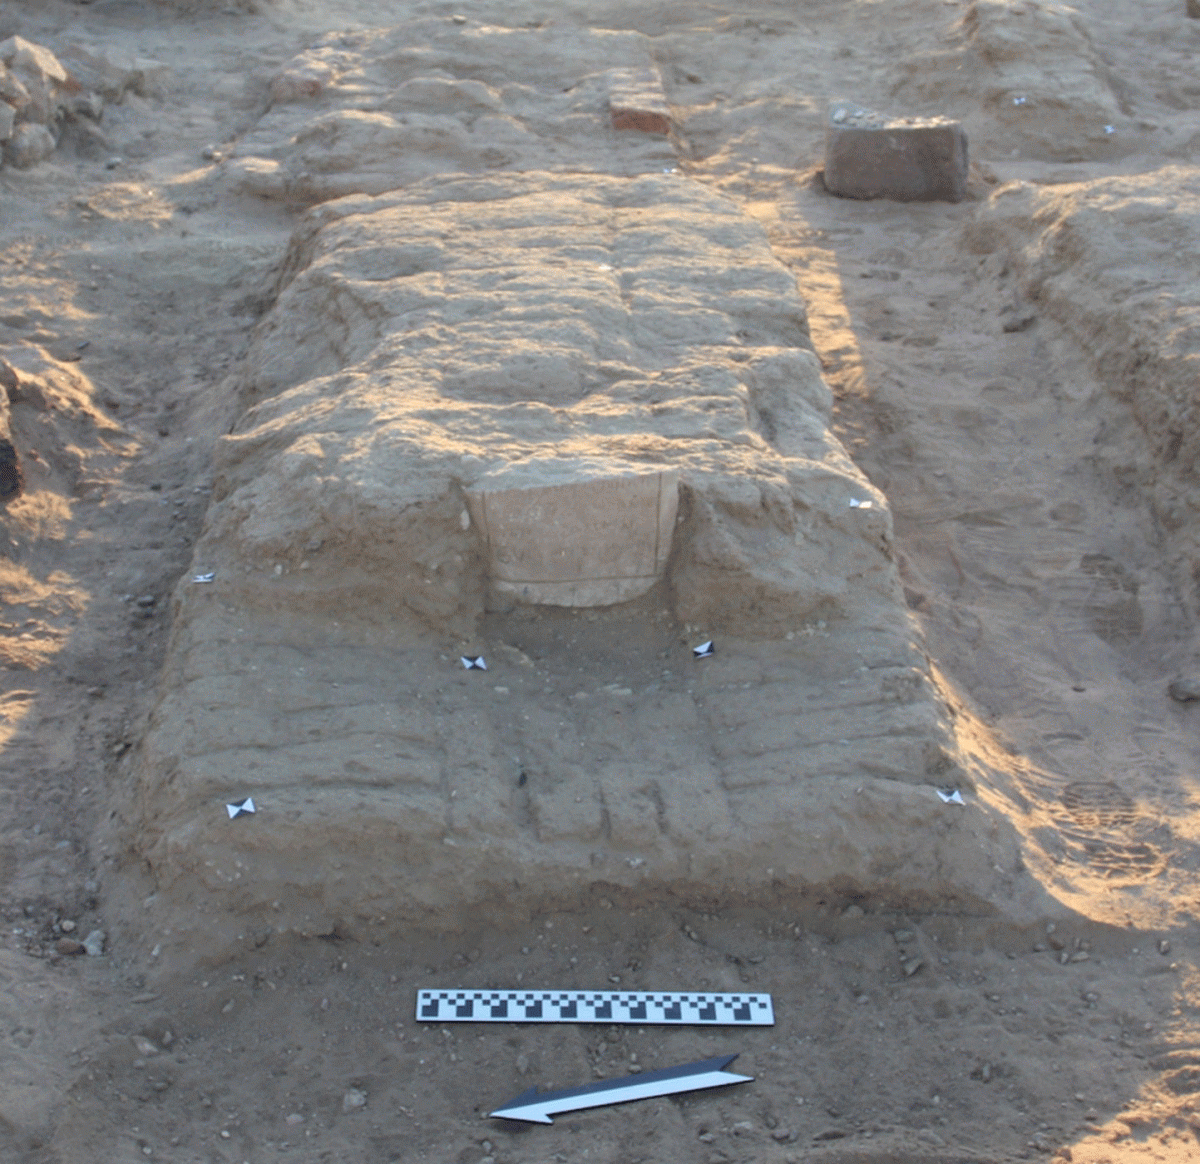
(1164, 947)
(94, 943)
(67, 926)
(68, 946)
(353, 1099)
(294, 1118)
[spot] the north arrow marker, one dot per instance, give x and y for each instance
(537, 1108)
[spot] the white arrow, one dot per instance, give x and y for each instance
(537, 1108)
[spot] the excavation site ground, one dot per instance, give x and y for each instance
(620, 534)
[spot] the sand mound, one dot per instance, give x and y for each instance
(1024, 78)
(1110, 260)
(476, 334)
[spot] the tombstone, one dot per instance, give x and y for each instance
(594, 541)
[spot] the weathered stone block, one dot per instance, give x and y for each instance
(29, 145)
(910, 159)
(112, 72)
(24, 56)
(12, 92)
(637, 101)
(587, 542)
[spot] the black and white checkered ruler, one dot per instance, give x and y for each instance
(594, 1006)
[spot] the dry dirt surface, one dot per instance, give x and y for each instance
(287, 286)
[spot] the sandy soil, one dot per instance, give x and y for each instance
(1034, 567)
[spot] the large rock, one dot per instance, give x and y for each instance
(577, 337)
(29, 144)
(908, 159)
(33, 80)
(24, 56)
(112, 72)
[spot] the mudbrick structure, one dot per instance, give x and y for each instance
(824, 570)
(460, 389)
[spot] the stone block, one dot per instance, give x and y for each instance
(909, 159)
(24, 56)
(588, 542)
(636, 100)
(112, 72)
(29, 145)
(1193, 8)
(11, 89)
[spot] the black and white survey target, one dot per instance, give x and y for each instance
(595, 1006)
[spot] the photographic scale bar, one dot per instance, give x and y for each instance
(594, 1006)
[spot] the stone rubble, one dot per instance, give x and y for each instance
(42, 100)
